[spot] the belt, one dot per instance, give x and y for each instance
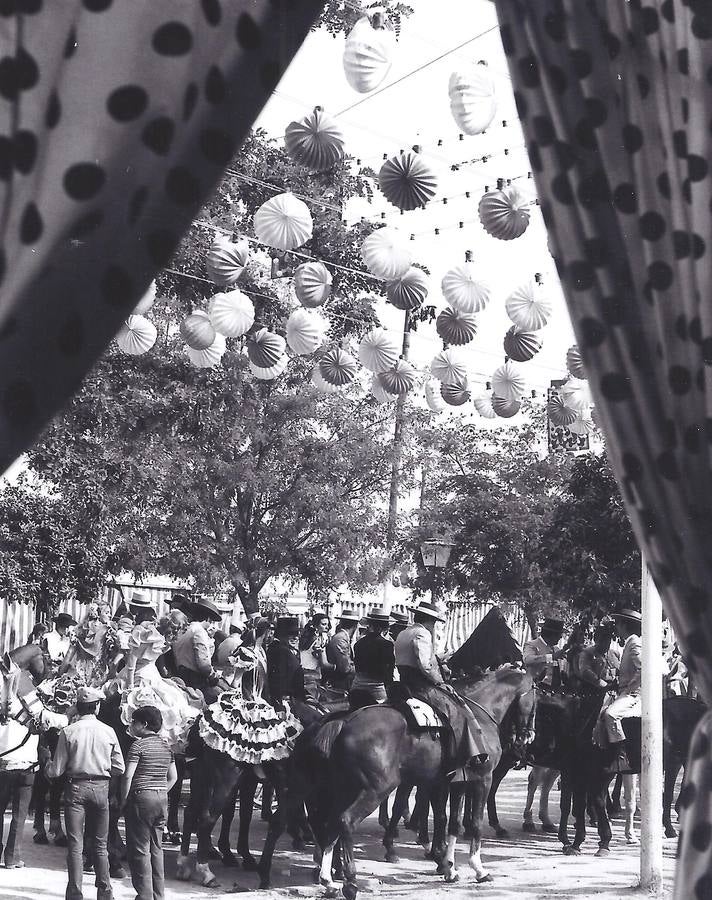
(72, 778)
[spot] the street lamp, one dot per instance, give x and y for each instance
(435, 553)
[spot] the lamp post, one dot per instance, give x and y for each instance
(435, 554)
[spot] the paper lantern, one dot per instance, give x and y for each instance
(406, 181)
(211, 356)
(226, 260)
(398, 380)
(269, 373)
(472, 98)
(504, 213)
(433, 397)
(508, 382)
(379, 392)
(456, 327)
(368, 53)
(410, 291)
(137, 335)
(379, 350)
(312, 284)
(464, 291)
(305, 332)
(337, 366)
(316, 141)
(529, 306)
(521, 345)
(581, 426)
(505, 409)
(147, 301)
(386, 254)
(283, 222)
(265, 348)
(231, 314)
(483, 405)
(197, 331)
(559, 413)
(574, 362)
(319, 382)
(455, 394)
(576, 394)
(596, 417)
(449, 366)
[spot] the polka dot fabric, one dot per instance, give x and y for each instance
(616, 106)
(116, 121)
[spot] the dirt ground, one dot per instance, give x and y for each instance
(524, 866)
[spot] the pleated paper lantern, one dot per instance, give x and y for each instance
(380, 394)
(379, 350)
(316, 141)
(596, 417)
(269, 373)
(368, 53)
(574, 362)
(398, 380)
(226, 260)
(232, 314)
(504, 213)
(406, 181)
(559, 412)
(305, 332)
(433, 397)
(449, 366)
(312, 284)
(410, 291)
(265, 348)
(529, 306)
(337, 366)
(386, 254)
(211, 356)
(464, 291)
(521, 346)
(283, 222)
(137, 335)
(581, 426)
(147, 301)
(456, 327)
(472, 99)
(319, 382)
(455, 394)
(508, 382)
(197, 331)
(483, 405)
(576, 394)
(505, 409)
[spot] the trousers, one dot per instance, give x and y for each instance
(194, 679)
(15, 791)
(146, 812)
(624, 707)
(87, 801)
(367, 696)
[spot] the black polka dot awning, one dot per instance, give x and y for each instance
(117, 118)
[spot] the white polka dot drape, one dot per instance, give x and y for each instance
(117, 118)
(616, 104)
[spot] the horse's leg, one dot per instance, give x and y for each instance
(115, 844)
(266, 806)
(421, 814)
(503, 766)
(384, 817)
(172, 831)
(479, 788)
(40, 790)
(246, 792)
(615, 808)
(547, 783)
(56, 793)
(277, 823)
(183, 866)
(226, 819)
(565, 809)
(534, 780)
(457, 795)
(671, 770)
(391, 833)
(366, 801)
(599, 786)
(630, 785)
(580, 795)
(438, 799)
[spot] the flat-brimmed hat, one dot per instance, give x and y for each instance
(550, 624)
(378, 616)
(287, 626)
(629, 614)
(348, 615)
(140, 600)
(205, 609)
(400, 618)
(63, 619)
(88, 694)
(179, 601)
(429, 610)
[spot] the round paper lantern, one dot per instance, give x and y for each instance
(386, 254)
(521, 345)
(464, 291)
(269, 373)
(319, 382)
(398, 380)
(147, 301)
(337, 366)
(505, 409)
(472, 98)
(283, 222)
(231, 314)
(197, 331)
(455, 327)
(379, 350)
(596, 417)
(410, 291)
(581, 426)
(305, 332)
(211, 356)
(508, 382)
(449, 367)
(574, 362)
(406, 181)
(312, 284)
(483, 405)
(368, 53)
(559, 413)
(455, 394)
(265, 348)
(316, 141)
(227, 260)
(576, 394)
(379, 392)
(433, 397)
(504, 213)
(529, 307)
(137, 335)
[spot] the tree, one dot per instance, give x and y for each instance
(340, 16)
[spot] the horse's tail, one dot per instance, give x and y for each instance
(325, 737)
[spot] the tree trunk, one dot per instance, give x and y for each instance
(532, 619)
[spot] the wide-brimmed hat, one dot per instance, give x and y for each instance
(630, 614)
(88, 694)
(287, 626)
(400, 618)
(378, 616)
(205, 609)
(348, 615)
(140, 600)
(63, 619)
(179, 601)
(551, 624)
(429, 610)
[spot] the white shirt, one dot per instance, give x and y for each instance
(12, 734)
(57, 645)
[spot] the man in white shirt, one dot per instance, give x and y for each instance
(627, 703)
(56, 642)
(541, 654)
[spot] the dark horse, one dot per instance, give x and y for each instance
(345, 768)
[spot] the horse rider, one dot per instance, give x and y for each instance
(542, 655)
(56, 642)
(226, 649)
(193, 650)
(374, 661)
(312, 652)
(627, 702)
(339, 652)
(285, 676)
(590, 670)
(399, 622)
(420, 675)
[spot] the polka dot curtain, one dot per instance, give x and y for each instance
(616, 105)
(117, 118)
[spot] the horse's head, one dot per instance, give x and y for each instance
(523, 714)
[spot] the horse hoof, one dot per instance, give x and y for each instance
(603, 851)
(631, 839)
(40, 838)
(549, 828)
(529, 827)
(299, 845)
(229, 859)
(349, 890)
(392, 857)
(499, 832)
(175, 837)
(670, 832)
(452, 878)
(570, 850)
(249, 863)
(484, 878)
(315, 875)
(117, 872)
(214, 853)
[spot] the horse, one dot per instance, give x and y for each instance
(365, 755)
(30, 658)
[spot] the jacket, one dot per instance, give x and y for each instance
(414, 649)
(340, 654)
(629, 674)
(285, 676)
(374, 658)
(193, 649)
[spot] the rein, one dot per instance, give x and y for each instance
(484, 710)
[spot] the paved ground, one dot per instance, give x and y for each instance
(526, 866)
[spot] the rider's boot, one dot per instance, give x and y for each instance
(618, 760)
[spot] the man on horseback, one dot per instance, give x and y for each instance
(627, 703)
(420, 674)
(56, 642)
(193, 650)
(590, 670)
(285, 676)
(374, 662)
(542, 654)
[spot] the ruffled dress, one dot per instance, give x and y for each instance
(242, 724)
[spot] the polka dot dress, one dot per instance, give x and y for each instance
(116, 120)
(616, 104)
